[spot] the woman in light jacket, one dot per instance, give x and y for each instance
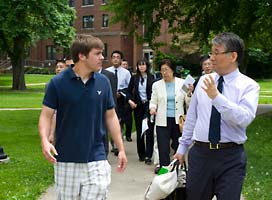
(167, 104)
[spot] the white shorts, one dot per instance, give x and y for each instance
(82, 181)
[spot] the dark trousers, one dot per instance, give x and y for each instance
(127, 120)
(144, 142)
(164, 134)
(125, 115)
(215, 172)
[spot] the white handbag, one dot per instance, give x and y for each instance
(164, 184)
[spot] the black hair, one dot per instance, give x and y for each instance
(203, 59)
(62, 60)
(169, 63)
(148, 67)
(117, 51)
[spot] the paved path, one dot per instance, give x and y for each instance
(264, 109)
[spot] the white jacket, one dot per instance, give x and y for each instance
(159, 101)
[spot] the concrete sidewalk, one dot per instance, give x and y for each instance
(264, 109)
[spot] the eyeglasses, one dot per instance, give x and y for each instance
(165, 70)
(217, 53)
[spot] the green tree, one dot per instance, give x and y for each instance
(23, 23)
(251, 20)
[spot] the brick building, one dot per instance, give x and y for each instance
(91, 19)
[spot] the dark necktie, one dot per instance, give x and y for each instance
(116, 78)
(214, 129)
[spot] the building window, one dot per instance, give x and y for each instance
(87, 2)
(105, 20)
(88, 21)
(71, 3)
(104, 1)
(50, 52)
(105, 51)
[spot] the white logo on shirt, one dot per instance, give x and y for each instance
(98, 92)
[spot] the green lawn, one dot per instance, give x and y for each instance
(30, 98)
(27, 174)
(258, 182)
(265, 92)
(6, 79)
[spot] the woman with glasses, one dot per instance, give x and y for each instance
(167, 104)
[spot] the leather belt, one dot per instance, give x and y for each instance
(144, 101)
(216, 146)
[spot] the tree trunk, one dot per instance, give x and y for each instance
(17, 61)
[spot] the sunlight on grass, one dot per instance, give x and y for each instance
(258, 181)
(30, 98)
(6, 79)
(27, 174)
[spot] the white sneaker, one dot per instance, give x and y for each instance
(5, 160)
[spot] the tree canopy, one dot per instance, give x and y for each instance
(250, 19)
(23, 23)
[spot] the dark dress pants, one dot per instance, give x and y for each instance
(125, 115)
(164, 134)
(149, 139)
(144, 147)
(127, 119)
(215, 172)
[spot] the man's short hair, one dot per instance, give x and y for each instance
(119, 52)
(83, 44)
(60, 60)
(203, 59)
(232, 43)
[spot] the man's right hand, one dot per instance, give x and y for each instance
(49, 151)
(180, 158)
(122, 161)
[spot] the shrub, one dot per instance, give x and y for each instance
(39, 70)
(259, 64)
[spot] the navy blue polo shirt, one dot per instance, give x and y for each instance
(81, 109)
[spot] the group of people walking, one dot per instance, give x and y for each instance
(90, 103)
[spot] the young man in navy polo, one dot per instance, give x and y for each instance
(85, 108)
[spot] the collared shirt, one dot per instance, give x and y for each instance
(142, 88)
(237, 105)
(123, 76)
(81, 109)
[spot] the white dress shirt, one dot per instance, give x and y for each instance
(237, 105)
(123, 76)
